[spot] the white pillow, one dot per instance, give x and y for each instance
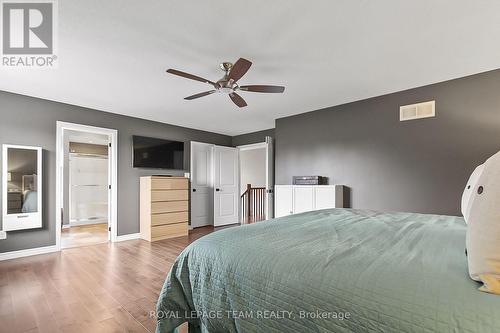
(470, 188)
(483, 229)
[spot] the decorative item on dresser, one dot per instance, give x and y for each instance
(293, 199)
(164, 207)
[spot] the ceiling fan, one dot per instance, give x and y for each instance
(228, 84)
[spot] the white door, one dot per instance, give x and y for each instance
(303, 199)
(284, 200)
(201, 184)
(269, 178)
(226, 179)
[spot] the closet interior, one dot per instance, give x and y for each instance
(86, 189)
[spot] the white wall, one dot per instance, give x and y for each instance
(253, 168)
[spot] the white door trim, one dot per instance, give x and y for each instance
(113, 174)
(252, 146)
(268, 146)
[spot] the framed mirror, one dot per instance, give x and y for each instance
(21, 187)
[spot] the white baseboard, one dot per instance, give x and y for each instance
(28, 252)
(128, 237)
(52, 248)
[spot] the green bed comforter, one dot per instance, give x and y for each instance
(337, 270)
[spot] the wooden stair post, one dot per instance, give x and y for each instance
(249, 200)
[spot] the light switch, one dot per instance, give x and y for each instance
(3, 235)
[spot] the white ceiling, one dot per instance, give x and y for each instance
(113, 54)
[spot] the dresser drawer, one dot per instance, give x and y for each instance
(169, 207)
(169, 231)
(171, 195)
(169, 218)
(169, 184)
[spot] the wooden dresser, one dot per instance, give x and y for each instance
(164, 207)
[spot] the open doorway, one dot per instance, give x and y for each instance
(86, 182)
(256, 181)
(86, 170)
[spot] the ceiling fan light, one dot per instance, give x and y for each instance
(228, 84)
(226, 90)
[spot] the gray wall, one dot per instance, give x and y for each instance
(31, 121)
(254, 137)
(417, 166)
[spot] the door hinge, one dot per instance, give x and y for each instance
(109, 145)
(109, 228)
(109, 186)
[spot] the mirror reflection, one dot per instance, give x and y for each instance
(22, 195)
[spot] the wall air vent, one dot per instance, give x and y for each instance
(417, 111)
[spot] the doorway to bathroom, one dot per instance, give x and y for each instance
(85, 183)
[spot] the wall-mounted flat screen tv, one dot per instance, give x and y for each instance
(158, 153)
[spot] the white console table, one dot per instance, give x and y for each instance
(293, 199)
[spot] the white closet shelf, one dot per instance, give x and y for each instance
(89, 185)
(104, 157)
(93, 203)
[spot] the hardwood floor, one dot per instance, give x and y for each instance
(252, 219)
(84, 235)
(110, 287)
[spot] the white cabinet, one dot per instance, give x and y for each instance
(293, 199)
(303, 199)
(327, 197)
(283, 200)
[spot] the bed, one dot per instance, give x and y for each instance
(337, 270)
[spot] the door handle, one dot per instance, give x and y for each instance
(217, 189)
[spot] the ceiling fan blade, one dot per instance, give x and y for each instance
(189, 76)
(237, 100)
(240, 67)
(263, 89)
(206, 93)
